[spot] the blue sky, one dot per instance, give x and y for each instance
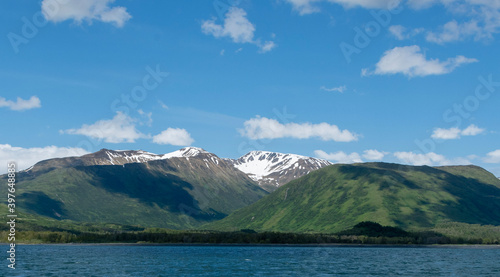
(413, 82)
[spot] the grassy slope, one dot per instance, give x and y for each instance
(339, 196)
(137, 194)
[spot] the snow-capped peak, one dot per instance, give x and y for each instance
(185, 153)
(259, 165)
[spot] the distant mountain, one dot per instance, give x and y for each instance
(272, 170)
(179, 190)
(338, 197)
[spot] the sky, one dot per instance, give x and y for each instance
(411, 82)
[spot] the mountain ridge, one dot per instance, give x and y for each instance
(337, 197)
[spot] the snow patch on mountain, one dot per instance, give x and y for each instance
(185, 153)
(124, 156)
(276, 168)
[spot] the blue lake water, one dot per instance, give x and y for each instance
(131, 260)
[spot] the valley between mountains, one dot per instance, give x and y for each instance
(263, 191)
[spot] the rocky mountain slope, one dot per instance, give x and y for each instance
(272, 170)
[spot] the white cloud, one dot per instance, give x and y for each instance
(267, 46)
(472, 130)
(237, 27)
(456, 133)
(398, 31)
(368, 4)
(265, 128)
(88, 10)
(421, 4)
(421, 159)
(26, 157)
(493, 157)
(310, 6)
(340, 89)
(147, 116)
(430, 159)
(304, 6)
(339, 157)
(21, 104)
(479, 19)
(402, 33)
(174, 136)
(117, 130)
(453, 31)
(409, 60)
(452, 133)
(374, 155)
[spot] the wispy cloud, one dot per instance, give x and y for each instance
(401, 33)
(430, 159)
(410, 61)
(354, 157)
(456, 133)
(339, 157)
(492, 157)
(340, 89)
(265, 128)
(304, 7)
(88, 10)
(238, 28)
(21, 104)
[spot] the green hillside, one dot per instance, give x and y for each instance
(338, 197)
(177, 193)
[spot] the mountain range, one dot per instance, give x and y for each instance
(179, 190)
(193, 188)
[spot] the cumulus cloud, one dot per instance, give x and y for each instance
(121, 128)
(430, 159)
(339, 157)
(237, 27)
(410, 61)
(26, 157)
(21, 104)
(88, 10)
(311, 6)
(174, 136)
(492, 157)
(340, 89)
(456, 133)
(265, 128)
(374, 155)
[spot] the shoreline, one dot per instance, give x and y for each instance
(451, 246)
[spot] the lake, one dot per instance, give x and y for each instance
(146, 260)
